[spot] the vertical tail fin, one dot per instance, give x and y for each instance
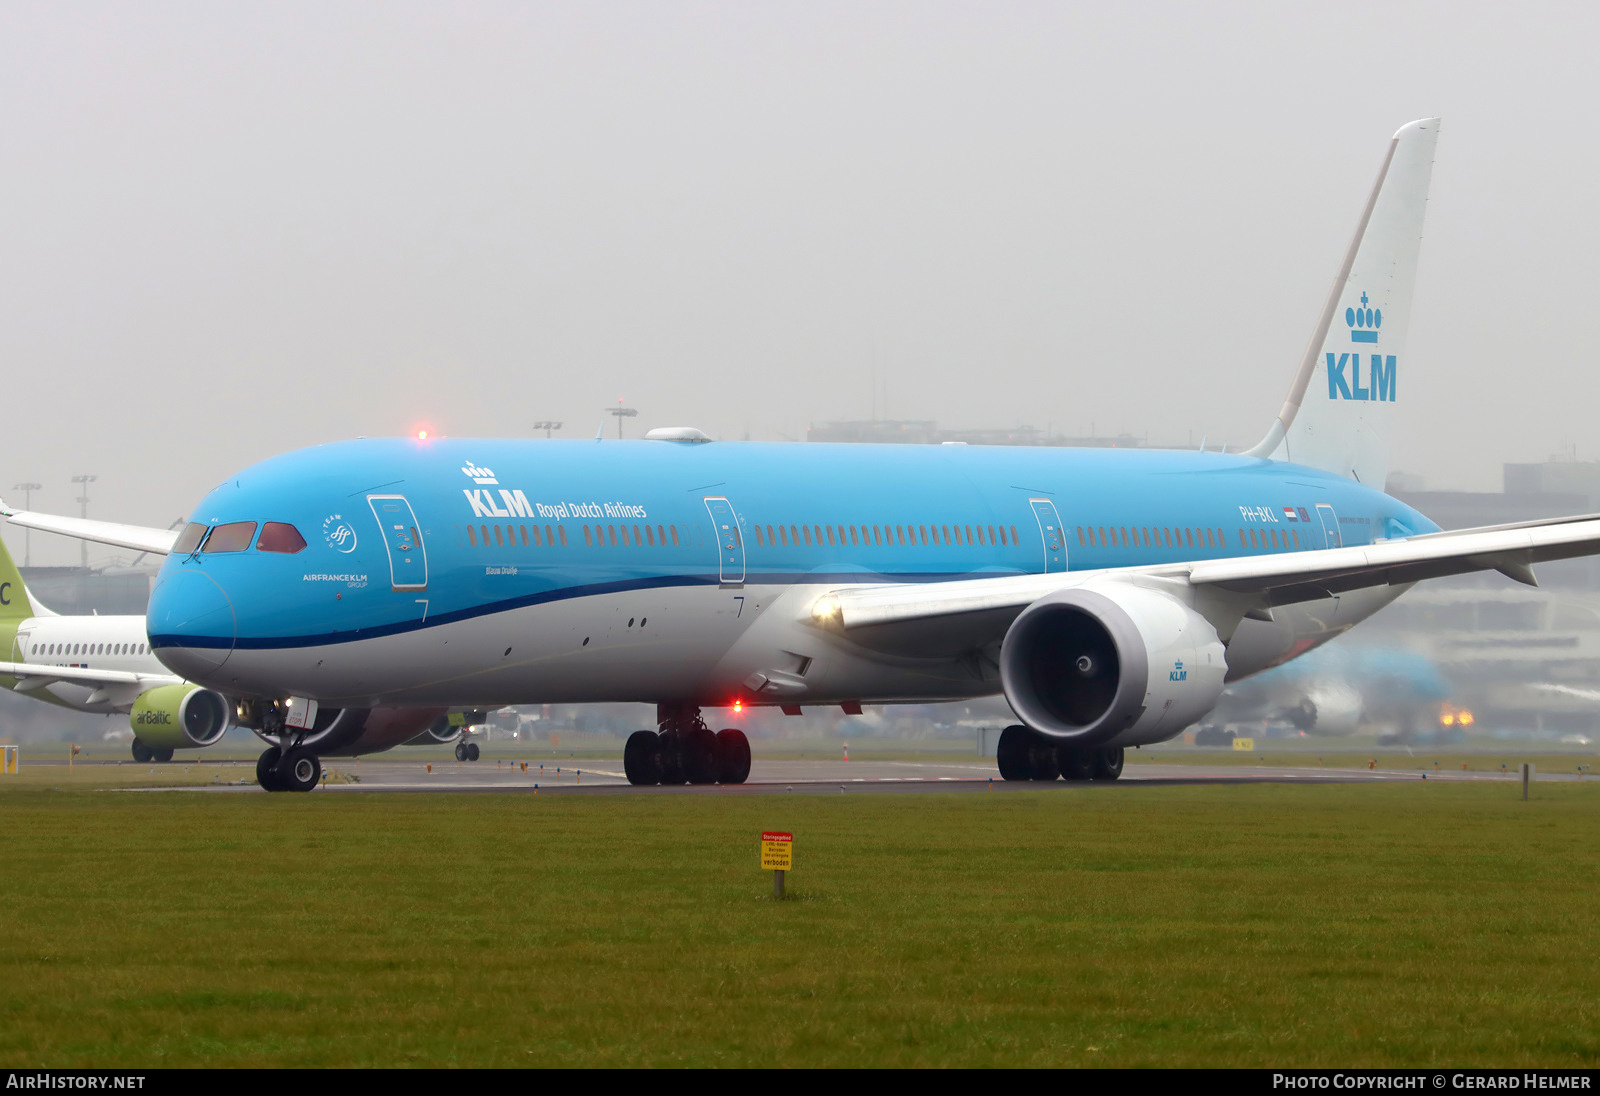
(1339, 413)
(15, 601)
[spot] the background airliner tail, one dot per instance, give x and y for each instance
(15, 601)
(1339, 414)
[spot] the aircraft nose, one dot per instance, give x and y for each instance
(191, 623)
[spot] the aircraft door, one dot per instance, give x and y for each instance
(1330, 526)
(730, 544)
(402, 537)
(1051, 532)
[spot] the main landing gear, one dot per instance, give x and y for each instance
(685, 751)
(466, 751)
(145, 754)
(1028, 755)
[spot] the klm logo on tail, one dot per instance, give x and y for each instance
(1364, 324)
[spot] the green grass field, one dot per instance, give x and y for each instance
(1406, 924)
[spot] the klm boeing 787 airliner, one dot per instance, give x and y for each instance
(1108, 594)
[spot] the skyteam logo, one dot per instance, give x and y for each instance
(340, 534)
(479, 475)
(1364, 323)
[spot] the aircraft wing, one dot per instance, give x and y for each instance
(32, 676)
(1258, 582)
(138, 537)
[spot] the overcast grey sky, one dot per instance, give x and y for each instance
(227, 230)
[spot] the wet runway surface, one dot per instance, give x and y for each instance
(578, 776)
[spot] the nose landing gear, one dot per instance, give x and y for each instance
(686, 751)
(288, 766)
(298, 770)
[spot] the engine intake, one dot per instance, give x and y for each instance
(181, 716)
(1111, 664)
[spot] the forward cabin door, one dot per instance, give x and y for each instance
(1050, 531)
(1330, 526)
(402, 536)
(730, 545)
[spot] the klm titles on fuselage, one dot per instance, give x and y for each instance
(517, 505)
(1364, 323)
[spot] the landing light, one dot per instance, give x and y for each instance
(826, 610)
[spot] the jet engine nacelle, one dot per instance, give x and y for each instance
(179, 717)
(441, 732)
(356, 731)
(1111, 664)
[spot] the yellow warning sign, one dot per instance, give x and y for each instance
(777, 852)
(1244, 743)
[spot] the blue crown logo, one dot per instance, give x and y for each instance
(1364, 322)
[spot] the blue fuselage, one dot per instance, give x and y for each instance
(422, 560)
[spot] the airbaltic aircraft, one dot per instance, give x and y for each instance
(1108, 594)
(104, 665)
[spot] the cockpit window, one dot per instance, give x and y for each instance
(278, 536)
(189, 539)
(233, 537)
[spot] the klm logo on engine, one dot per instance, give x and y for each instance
(1345, 370)
(1178, 673)
(484, 504)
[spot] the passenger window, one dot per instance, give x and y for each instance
(830, 536)
(625, 536)
(808, 534)
(1014, 538)
(233, 537)
(877, 534)
(674, 530)
(586, 538)
(276, 536)
(611, 535)
(189, 539)
(1296, 533)
(538, 542)
(522, 531)
(499, 541)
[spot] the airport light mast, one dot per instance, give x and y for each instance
(27, 490)
(547, 426)
(83, 500)
(621, 413)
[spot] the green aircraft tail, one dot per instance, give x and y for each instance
(15, 603)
